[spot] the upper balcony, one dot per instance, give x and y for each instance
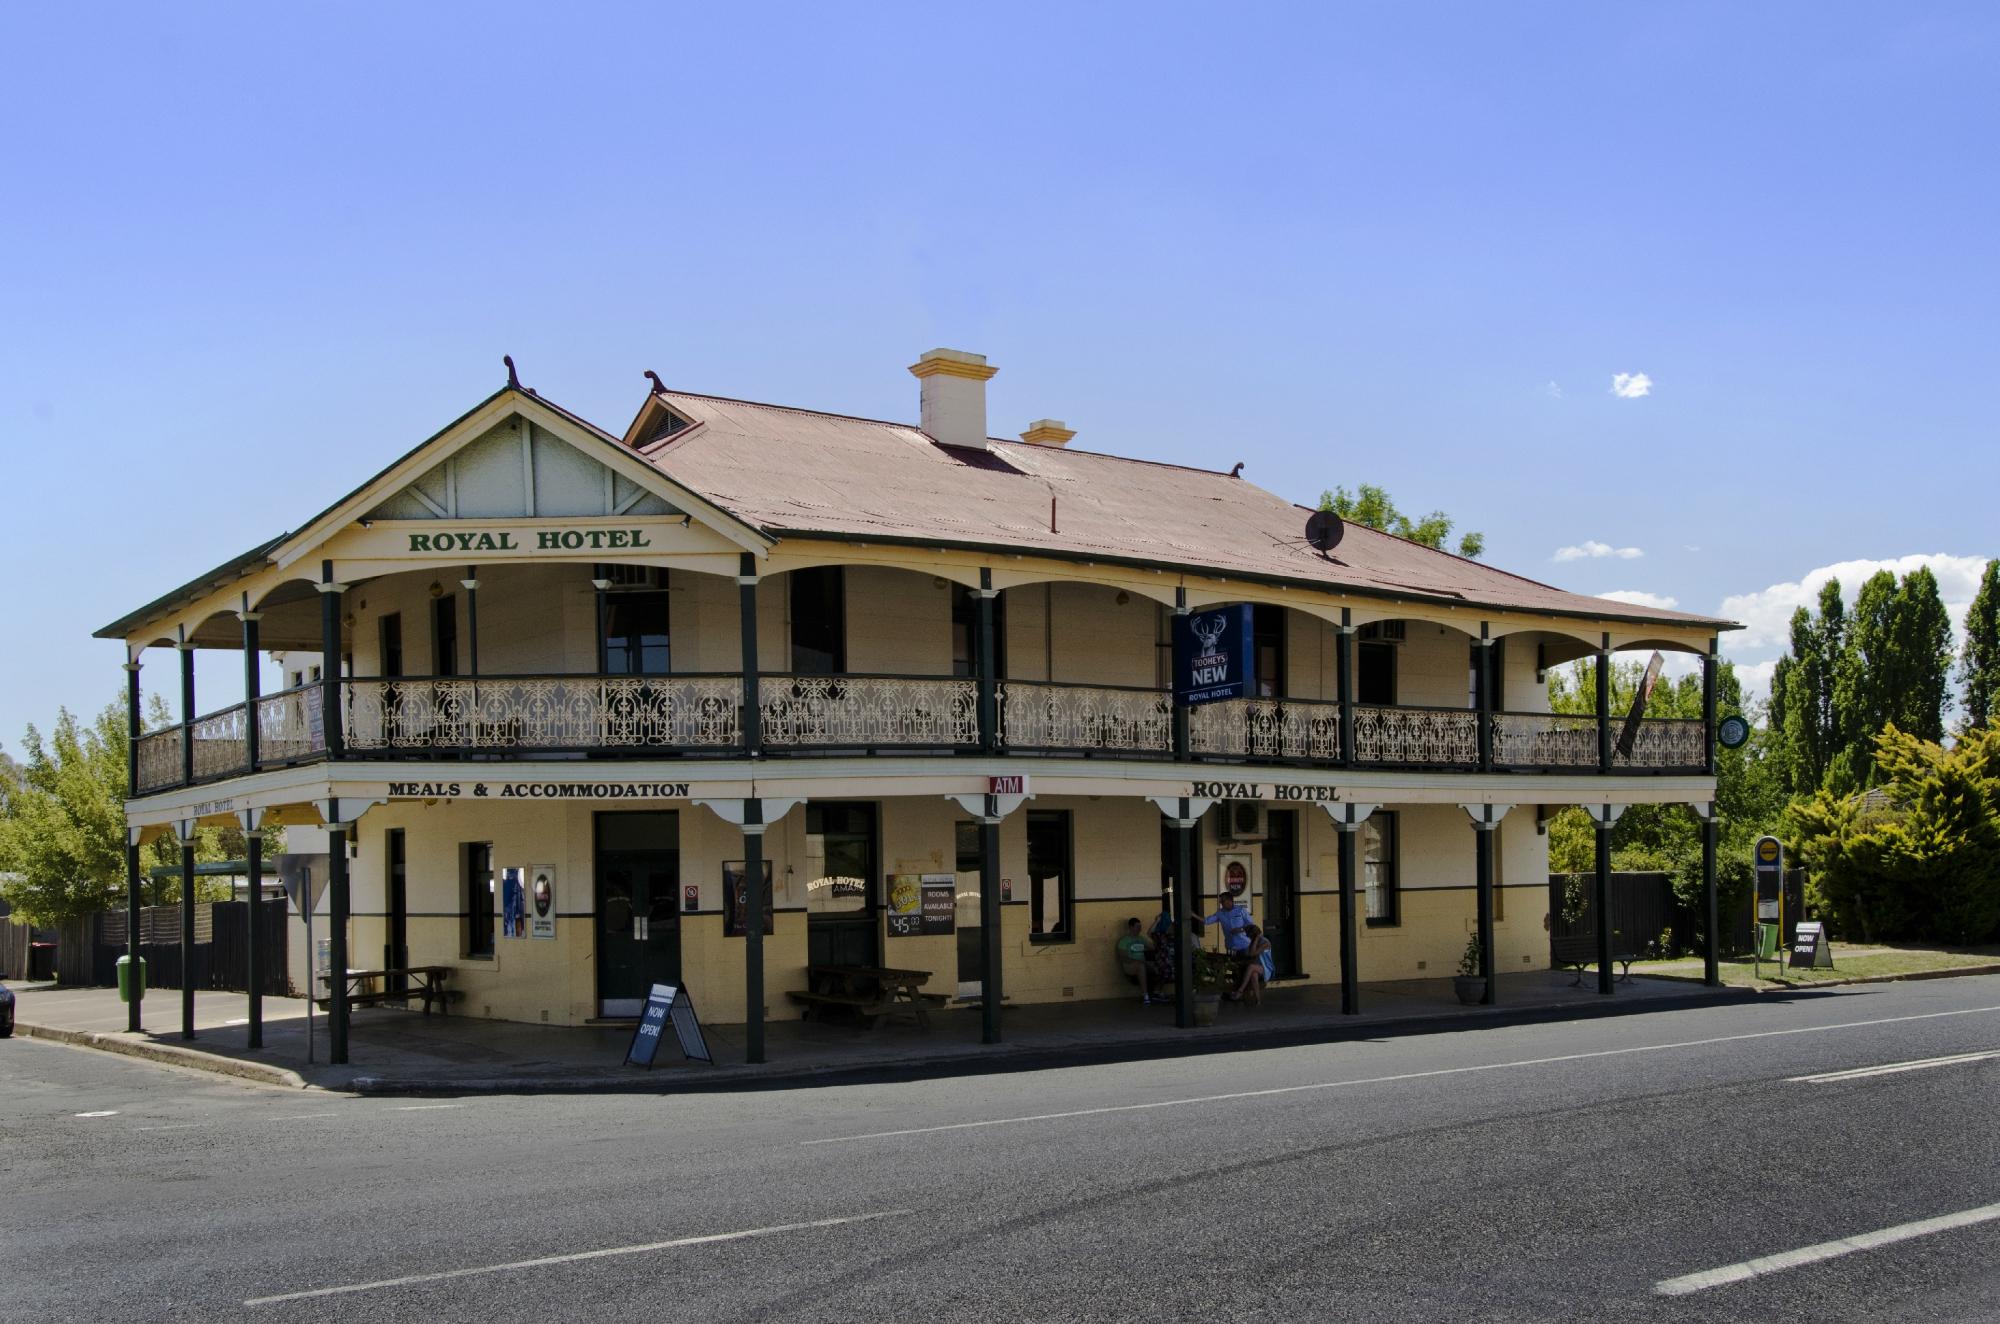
(800, 716)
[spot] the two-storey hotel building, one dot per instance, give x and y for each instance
(574, 689)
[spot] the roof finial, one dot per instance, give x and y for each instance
(659, 387)
(1236, 470)
(513, 381)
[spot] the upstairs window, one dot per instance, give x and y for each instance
(819, 621)
(1267, 628)
(1375, 673)
(391, 638)
(636, 635)
(444, 636)
(965, 633)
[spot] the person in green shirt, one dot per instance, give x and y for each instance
(1133, 948)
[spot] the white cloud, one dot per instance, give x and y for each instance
(1767, 613)
(1631, 385)
(1553, 391)
(1755, 677)
(1640, 598)
(1591, 549)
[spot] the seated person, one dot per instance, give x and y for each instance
(1133, 948)
(1258, 970)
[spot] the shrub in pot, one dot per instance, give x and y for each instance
(1469, 984)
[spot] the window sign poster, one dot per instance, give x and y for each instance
(737, 894)
(541, 901)
(1232, 870)
(513, 904)
(906, 900)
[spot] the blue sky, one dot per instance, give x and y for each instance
(249, 253)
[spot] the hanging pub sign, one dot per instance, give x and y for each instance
(1214, 651)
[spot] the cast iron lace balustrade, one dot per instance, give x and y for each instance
(1422, 737)
(1039, 715)
(221, 744)
(290, 725)
(1663, 742)
(160, 759)
(1290, 729)
(1544, 740)
(544, 712)
(868, 712)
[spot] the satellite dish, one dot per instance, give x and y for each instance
(1323, 531)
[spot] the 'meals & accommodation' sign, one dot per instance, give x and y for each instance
(1214, 652)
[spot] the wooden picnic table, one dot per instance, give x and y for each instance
(868, 992)
(426, 982)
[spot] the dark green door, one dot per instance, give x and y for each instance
(638, 908)
(1281, 891)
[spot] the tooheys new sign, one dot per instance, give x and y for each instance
(1214, 651)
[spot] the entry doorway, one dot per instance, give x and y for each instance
(1281, 890)
(638, 872)
(396, 943)
(843, 853)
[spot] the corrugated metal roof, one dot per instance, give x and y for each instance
(797, 471)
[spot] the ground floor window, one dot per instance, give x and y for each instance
(478, 870)
(1378, 869)
(1051, 886)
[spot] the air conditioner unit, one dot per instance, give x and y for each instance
(1242, 820)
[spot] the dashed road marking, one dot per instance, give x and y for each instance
(1894, 1068)
(1825, 1250)
(410, 1280)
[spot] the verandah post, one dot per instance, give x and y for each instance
(1344, 679)
(1604, 706)
(187, 830)
(336, 886)
(253, 862)
(1184, 827)
(332, 731)
(133, 880)
(253, 686)
(1711, 830)
(989, 923)
(187, 711)
(752, 722)
(989, 682)
(753, 930)
(1350, 964)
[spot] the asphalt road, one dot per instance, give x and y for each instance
(1547, 1172)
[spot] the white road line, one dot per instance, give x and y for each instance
(293, 1117)
(1825, 1250)
(546, 1260)
(423, 1107)
(178, 1126)
(1893, 1068)
(105, 1112)
(1385, 1080)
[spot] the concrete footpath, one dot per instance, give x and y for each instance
(393, 1051)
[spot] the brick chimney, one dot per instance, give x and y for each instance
(954, 395)
(1048, 432)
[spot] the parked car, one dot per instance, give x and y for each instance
(6, 1011)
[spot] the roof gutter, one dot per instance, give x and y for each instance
(1252, 577)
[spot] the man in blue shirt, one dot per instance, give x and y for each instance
(1235, 920)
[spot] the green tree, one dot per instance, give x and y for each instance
(1372, 507)
(1979, 662)
(63, 833)
(1806, 718)
(62, 825)
(1893, 670)
(1921, 862)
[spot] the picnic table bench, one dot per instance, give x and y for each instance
(868, 993)
(1581, 953)
(398, 984)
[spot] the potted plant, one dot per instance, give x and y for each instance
(1214, 975)
(1469, 984)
